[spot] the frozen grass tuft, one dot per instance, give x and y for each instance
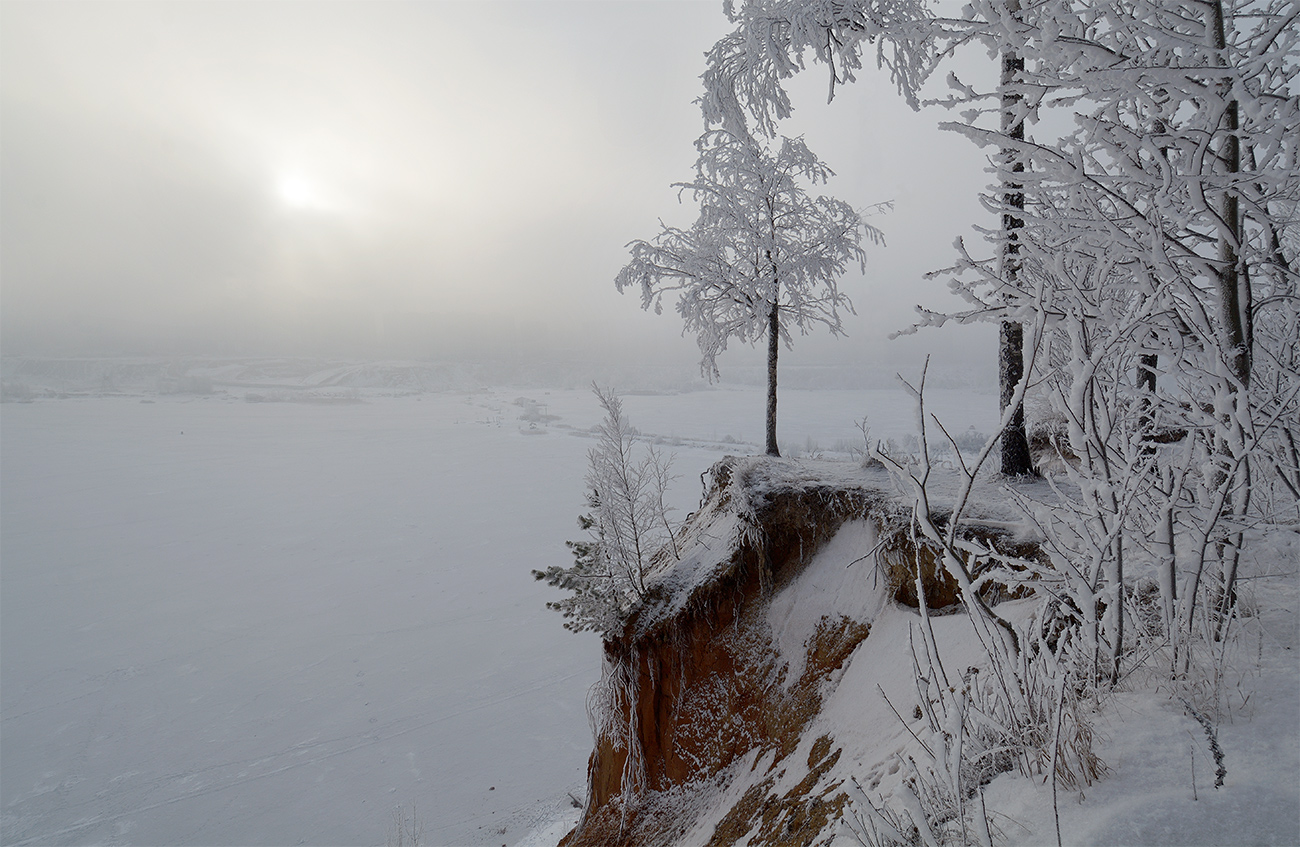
(406, 829)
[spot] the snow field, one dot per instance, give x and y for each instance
(279, 624)
(275, 622)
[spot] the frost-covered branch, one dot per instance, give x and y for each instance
(627, 526)
(746, 70)
(763, 257)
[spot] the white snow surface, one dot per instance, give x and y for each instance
(1161, 786)
(270, 604)
(272, 610)
(840, 581)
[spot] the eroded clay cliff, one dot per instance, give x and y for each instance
(727, 663)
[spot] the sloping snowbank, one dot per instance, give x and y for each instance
(868, 731)
(1161, 788)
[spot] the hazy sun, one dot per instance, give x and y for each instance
(298, 192)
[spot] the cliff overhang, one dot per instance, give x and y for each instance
(728, 659)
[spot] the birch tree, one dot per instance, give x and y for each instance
(1155, 228)
(1146, 229)
(762, 259)
(743, 82)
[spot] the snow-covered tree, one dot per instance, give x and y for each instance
(763, 258)
(746, 69)
(627, 526)
(1016, 460)
(1146, 163)
(1153, 231)
(743, 81)
(1144, 228)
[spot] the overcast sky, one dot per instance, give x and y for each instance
(404, 179)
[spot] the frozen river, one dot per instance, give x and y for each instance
(264, 623)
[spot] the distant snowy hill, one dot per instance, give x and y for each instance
(279, 378)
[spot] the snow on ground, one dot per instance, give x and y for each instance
(1161, 787)
(276, 613)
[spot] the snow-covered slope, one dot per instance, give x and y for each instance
(766, 693)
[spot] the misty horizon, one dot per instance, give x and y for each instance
(353, 181)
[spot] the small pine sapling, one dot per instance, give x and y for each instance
(627, 525)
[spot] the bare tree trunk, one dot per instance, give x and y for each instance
(773, 346)
(1016, 460)
(1234, 286)
(1118, 654)
(1235, 313)
(1146, 383)
(1168, 562)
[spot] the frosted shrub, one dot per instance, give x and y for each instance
(405, 830)
(626, 525)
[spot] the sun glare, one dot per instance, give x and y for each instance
(298, 192)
